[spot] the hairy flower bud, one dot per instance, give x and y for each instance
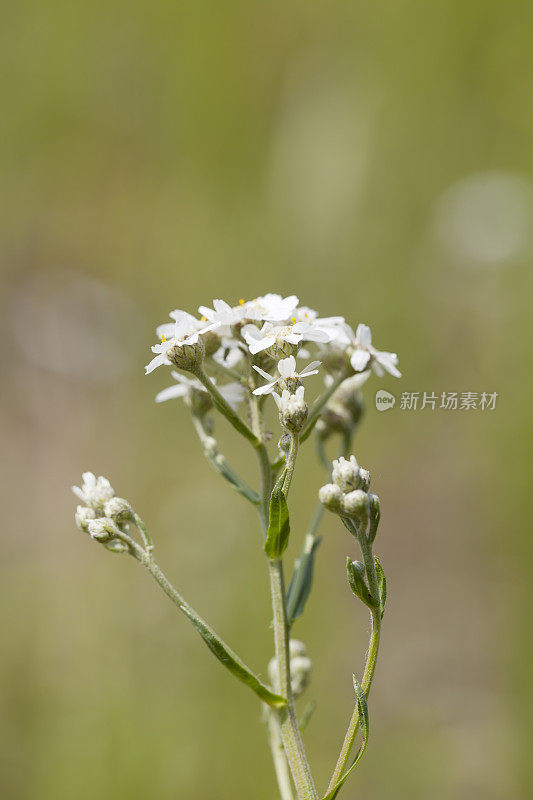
(102, 529)
(83, 516)
(292, 409)
(301, 667)
(118, 509)
(364, 477)
(331, 497)
(186, 356)
(355, 504)
(346, 474)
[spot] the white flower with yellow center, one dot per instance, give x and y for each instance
(288, 376)
(186, 330)
(282, 340)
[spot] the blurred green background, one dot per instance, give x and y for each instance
(376, 160)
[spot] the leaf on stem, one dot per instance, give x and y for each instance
(382, 585)
(302, 579)
(278, 525)
(231, 660)
(364, 723)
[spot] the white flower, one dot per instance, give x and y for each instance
(287, 375)
(268, 308)
(223, 315)
(94, 491)
(186, 330)
(233, 393)
(363, 354)
(278, 337)
(271, 308)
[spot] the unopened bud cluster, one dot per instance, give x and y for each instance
(292, 409)
(104, 516)
(348, 494)
(301, 667)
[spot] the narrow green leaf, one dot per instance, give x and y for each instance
(382, 584)
(302, 579)
(278, 525)
(364, 723)
(355, 571)
(231, 660)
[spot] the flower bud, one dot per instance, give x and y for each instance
(297, 648)
(284, 443)
(331, 497)
(301, 667)
(186, 356)
(199, 401)
(102, 529)
(211, 342)
(346, 474)
(118, 509)
(292, 409)
(83, 516)
(364, 478)
(355, 504)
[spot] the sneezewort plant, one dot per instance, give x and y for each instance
(224, 359)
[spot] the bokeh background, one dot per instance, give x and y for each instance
(376, 160)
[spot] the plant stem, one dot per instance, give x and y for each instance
(370, 666)
(290, 732)
(291, 462)
(223, 406)
(281, 767)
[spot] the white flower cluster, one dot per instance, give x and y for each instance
(103, 514)
(264, 330)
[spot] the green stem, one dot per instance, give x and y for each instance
(290, 732)
(223, 406)
(281, 767)
(290, 464)
(219, 462)
(370, 665)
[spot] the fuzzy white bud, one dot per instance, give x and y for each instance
(292, 409)
(118, 509)
(346, 474)
(102, 529)
(83, 516)
(330, 496)
(355, 504)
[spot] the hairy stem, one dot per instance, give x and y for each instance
(281, 767)
(370, 665)
(223, 406)
(290, 732)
